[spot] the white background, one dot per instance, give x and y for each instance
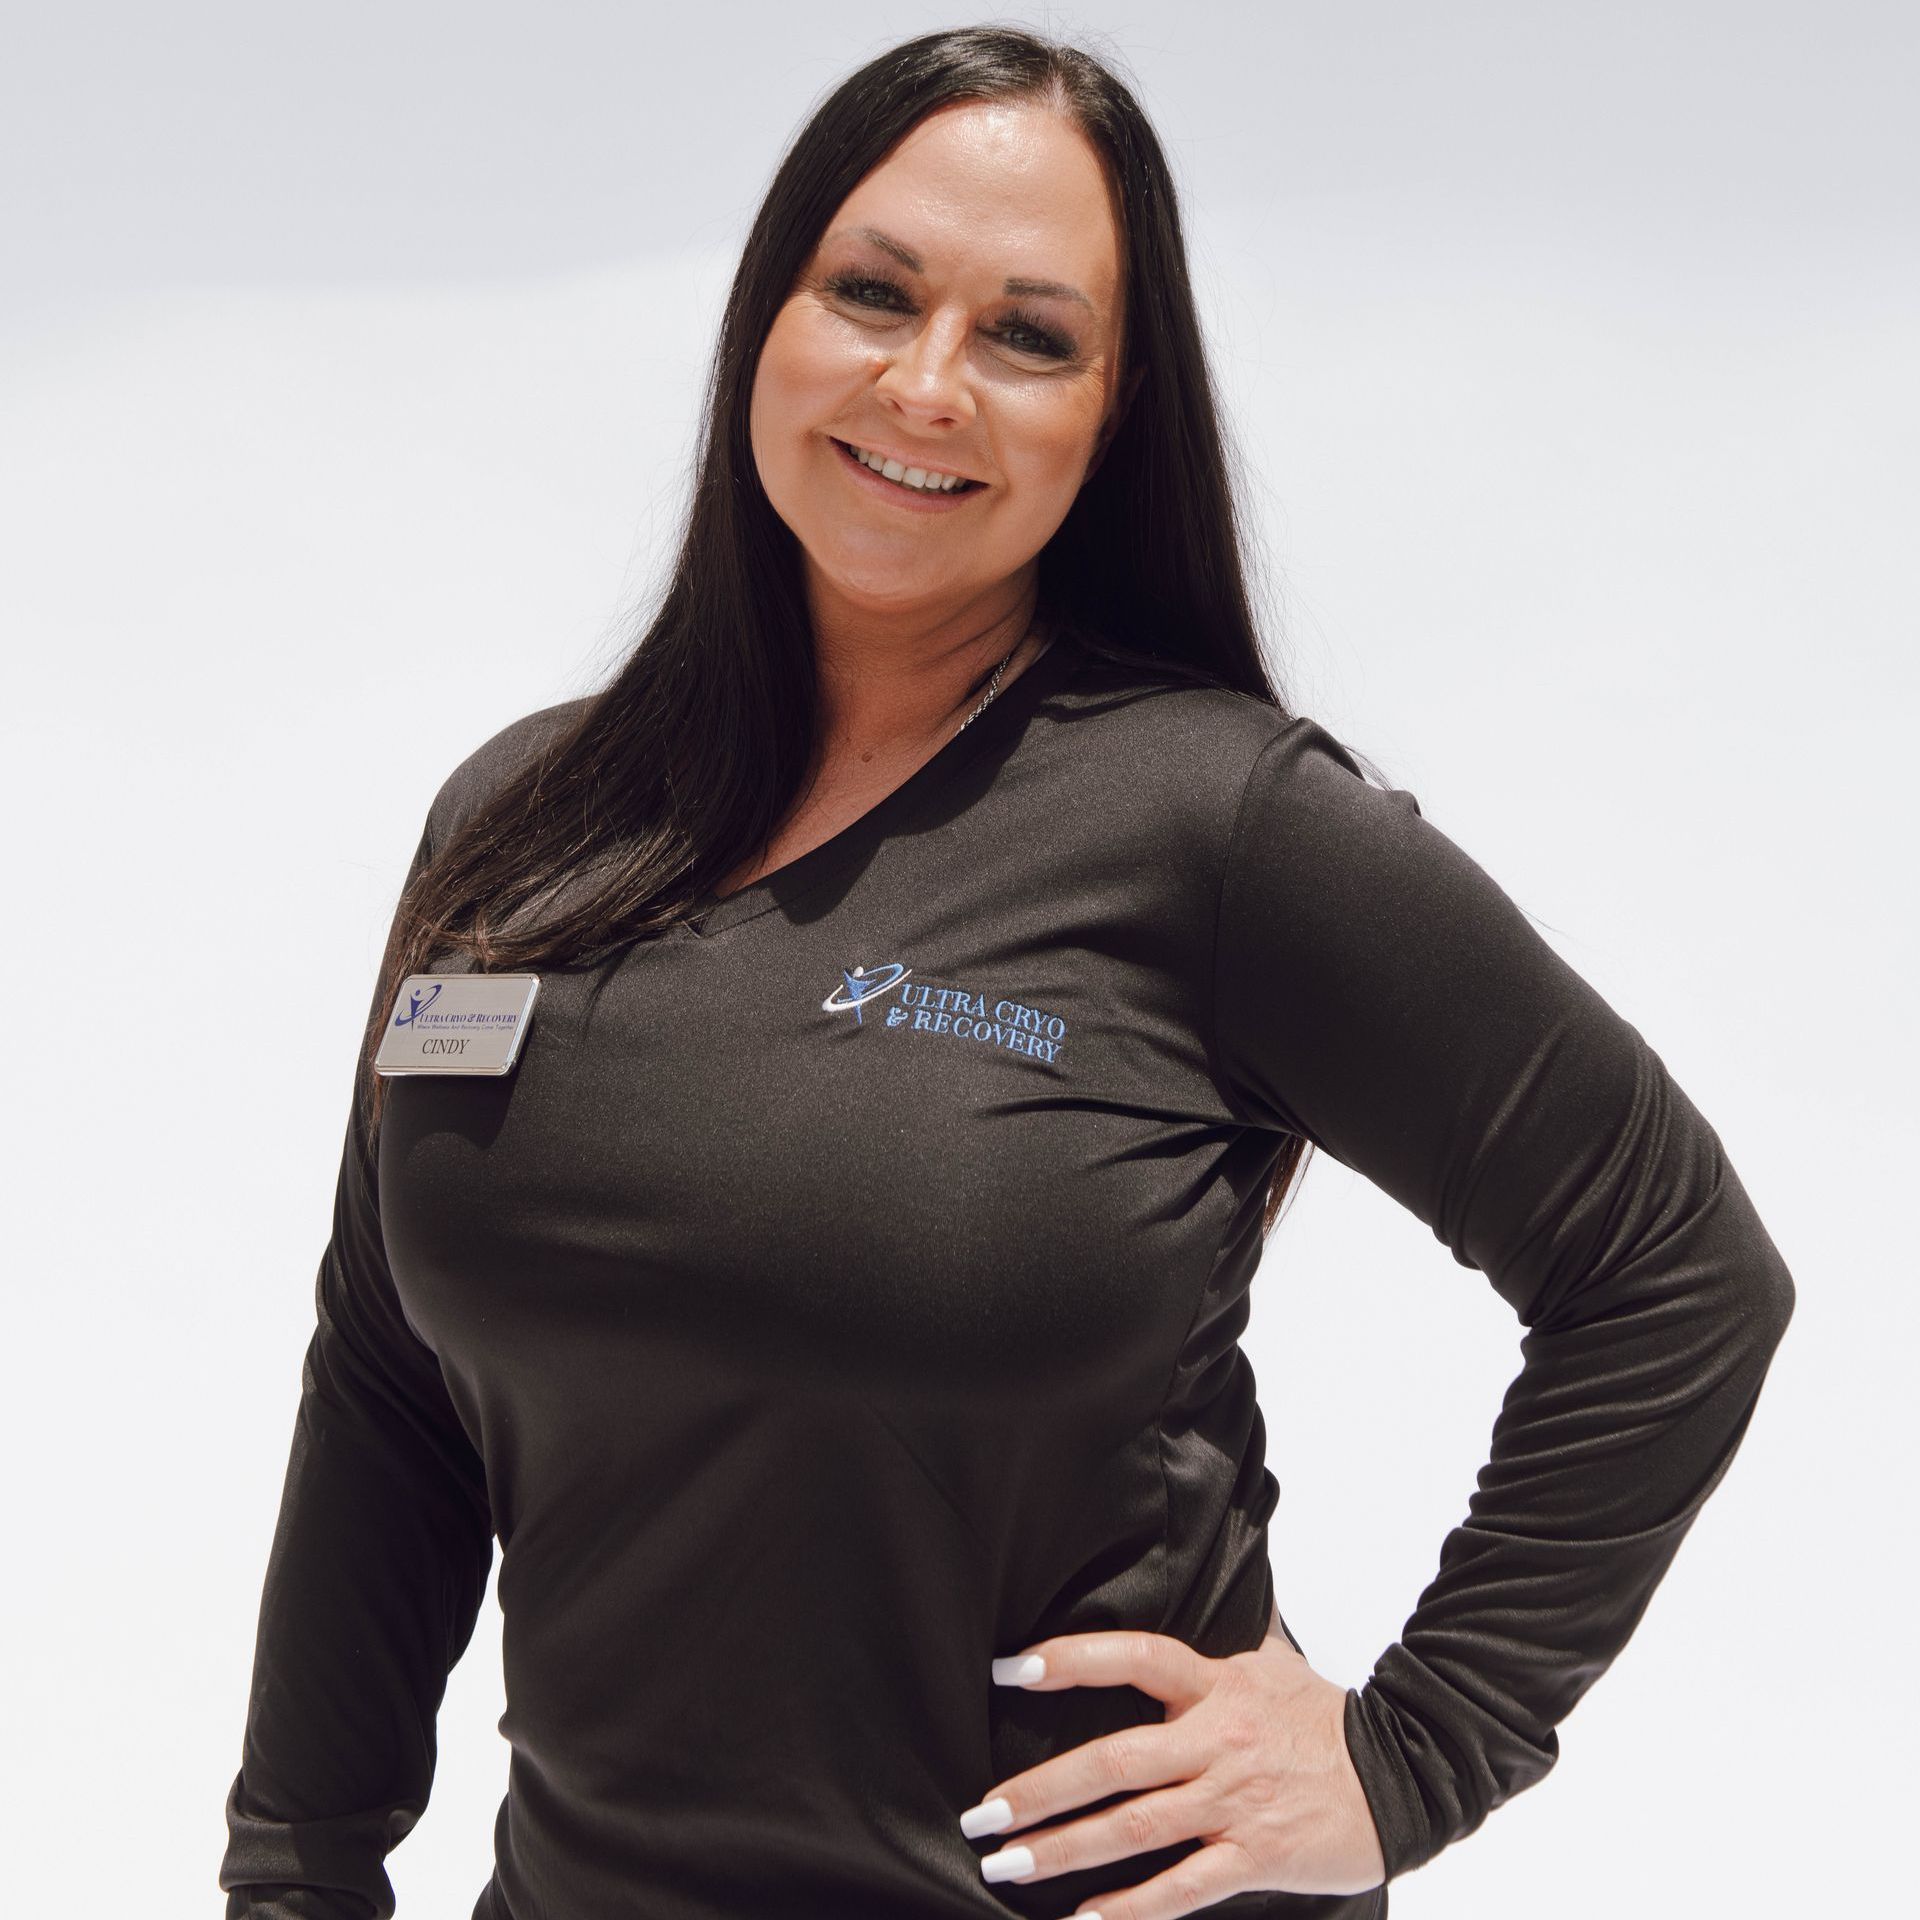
(349, 359)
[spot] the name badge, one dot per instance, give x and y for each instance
(457, 1023)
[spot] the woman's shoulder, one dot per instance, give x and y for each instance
(497, 759)
(1202, 737)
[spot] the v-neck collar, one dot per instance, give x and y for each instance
(1003, 717)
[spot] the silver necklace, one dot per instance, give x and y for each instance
(993, 686)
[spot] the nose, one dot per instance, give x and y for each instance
(925, 380)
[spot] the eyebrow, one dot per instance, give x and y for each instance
(1022, 288)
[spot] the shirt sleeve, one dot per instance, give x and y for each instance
(374, 1580)
(1378, 994)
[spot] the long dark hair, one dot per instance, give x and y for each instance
(681, 767)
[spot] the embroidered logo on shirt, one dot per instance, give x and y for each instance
(862, 986)
(959, 1013)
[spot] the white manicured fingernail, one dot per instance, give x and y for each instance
(990, 1816)
(1016, 1671)
(1008, 1864)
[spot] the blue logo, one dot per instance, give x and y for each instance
(954, 1012)
(418, 1004)
(862, 985)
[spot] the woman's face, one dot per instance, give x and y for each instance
(962, 315)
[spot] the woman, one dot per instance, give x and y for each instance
(949, 946)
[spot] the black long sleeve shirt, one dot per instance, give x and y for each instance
(849, 1292)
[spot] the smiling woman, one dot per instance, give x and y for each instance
(962, 315)
(950, 946)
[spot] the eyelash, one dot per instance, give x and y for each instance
(1054, 346)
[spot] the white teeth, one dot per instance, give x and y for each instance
(917, 477)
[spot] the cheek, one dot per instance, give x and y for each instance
(1048, 436)
(809, 375)
(773, 399)
(805, 369)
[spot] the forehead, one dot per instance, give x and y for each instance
(995, 188)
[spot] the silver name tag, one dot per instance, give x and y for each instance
(457, 1023)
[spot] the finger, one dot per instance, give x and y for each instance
(1156, 1663)
(1130, 1759)
(1206, 1875)
(1136, 1825)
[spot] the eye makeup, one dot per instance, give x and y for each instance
(1022, 330)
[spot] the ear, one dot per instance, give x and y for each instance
(1122, 400)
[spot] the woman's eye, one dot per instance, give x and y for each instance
(1037, 340)
(866, 292)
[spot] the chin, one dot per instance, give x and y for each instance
(881, 592)
(876, 587)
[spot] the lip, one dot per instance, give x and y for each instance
(902, 497)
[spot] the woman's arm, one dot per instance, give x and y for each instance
(377, 1570)
(1379, 994)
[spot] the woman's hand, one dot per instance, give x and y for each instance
(1251, 1758)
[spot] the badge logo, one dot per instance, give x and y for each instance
(417, 1004)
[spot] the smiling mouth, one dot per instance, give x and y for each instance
(910, 479)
